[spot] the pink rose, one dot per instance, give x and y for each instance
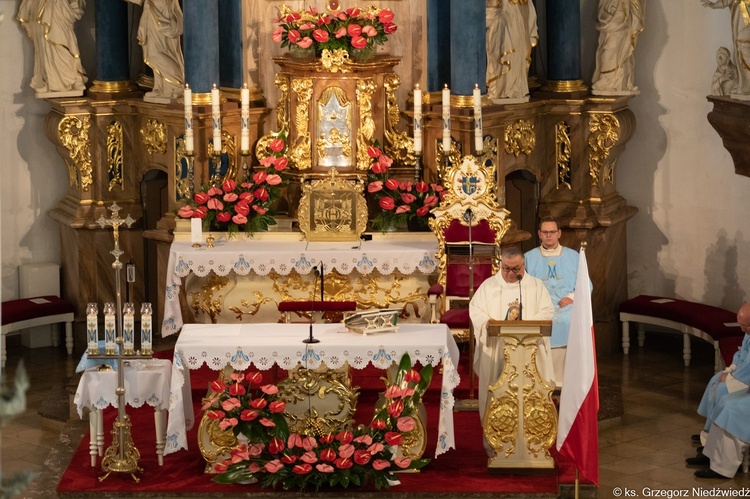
(359, 42)
(341, 32)
(375, 186)
(305, 42)
(229, 185)
(381, 464)
(320, 35)
(387, 203)
(186, 212)
(215, 204)
(223, 217)
(239, 219)
(276, 35)
(386, 16)
(277, 144)
(293, 36)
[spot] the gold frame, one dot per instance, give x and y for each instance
(323, 204)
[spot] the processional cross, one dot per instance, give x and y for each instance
(115, 221)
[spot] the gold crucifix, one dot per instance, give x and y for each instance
(115, 221)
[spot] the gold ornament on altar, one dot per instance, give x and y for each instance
(333, 209)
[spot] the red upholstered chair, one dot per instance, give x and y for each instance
(469, 208)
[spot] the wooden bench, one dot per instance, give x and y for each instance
(39, 311)
(706, 322)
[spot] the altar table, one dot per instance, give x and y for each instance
(263, 345)
(278, 265)
(146, 382)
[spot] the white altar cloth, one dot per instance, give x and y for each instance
(264, 256)
(263, 345)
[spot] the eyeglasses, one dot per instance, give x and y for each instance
(512, 269)
(549, 232)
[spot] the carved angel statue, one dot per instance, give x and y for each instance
(57, 62)
(740, 18)
(725, 77)
(159, 35)
(619, 24)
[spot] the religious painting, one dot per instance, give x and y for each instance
(334, 130)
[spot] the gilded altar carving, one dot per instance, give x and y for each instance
(334, 61)
(228, 153)
(282, 118)
(539, 413)
(605, 132)
(114, 154)
(73, 133)
(520, 137)
(366, 133)
(154, 136)
(319, 401)
(332, 209)
(334, 128)
(501, 414)
(562, 154)
(398, 145)
(206, 301)
(181, 173)
(250, 308)
(301, 150)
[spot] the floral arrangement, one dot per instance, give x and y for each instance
(246, 206)
(275, 456)
(401, 202)
(354, 29)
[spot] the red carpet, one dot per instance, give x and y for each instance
(462, 470)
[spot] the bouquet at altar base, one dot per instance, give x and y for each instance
(402, 202)
(355, 31)
(274, 456)
(247, 205)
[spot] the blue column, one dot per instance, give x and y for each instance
(468, 48)
(438, 44)
(563, 40)
(200, 41)
(230, 43)
(112, 69)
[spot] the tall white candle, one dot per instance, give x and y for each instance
(446, 118)
(188, 101)
(245, 119)
(477, 118)
(216, 118)
(92, 328)
(110, 329)
(146, 328)
(417, 118)
(128, 329)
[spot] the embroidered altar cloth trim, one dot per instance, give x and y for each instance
(263, 345)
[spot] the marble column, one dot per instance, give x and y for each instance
(467, 49)
(230, 44)
(112, 69)
(438, 44)
(201, 46)
(564, 46)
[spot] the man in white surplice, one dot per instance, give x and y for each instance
(503, 297)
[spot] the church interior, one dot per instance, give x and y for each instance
(645, 172)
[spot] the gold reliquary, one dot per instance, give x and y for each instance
(373, 321)
(333, 209)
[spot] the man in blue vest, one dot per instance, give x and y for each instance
(557, 267)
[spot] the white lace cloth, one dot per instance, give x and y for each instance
(263, 345)
(146, 382)
(262, 257)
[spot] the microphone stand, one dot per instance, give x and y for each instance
(472, 403)
(322, 286)
(520, 298)
(310, 338)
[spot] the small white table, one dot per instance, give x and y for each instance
(146, 382)
(263, 345)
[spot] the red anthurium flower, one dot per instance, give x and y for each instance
(385, 161)
(277, 406)
(363, 439)
(242, 208)
(261, 193)
(230, 403)
(345, 437)
(320, 35)
(237, 377)
(288, 459)
(404, 208)
(387, 203)
(259, 177)
(341, 32)
(386, 16)
(280, 163)
(377, 168)
(393, 392)
(200, 212)
(267, 422)
(359, 42)
(230, 197)
(256, 449)
(236, 389)
(328, 454)
(393, 438)
(396, 408)
(346, 450)
(273, 179)
(381, 464)
(309, 443)
(309, 457)
(222, 466)
(215, 204)
(375, 186)
(215, 191)
(254, 378)
(391, 184)
(402, 462)
(422, 187)
(223, 216)
(369, 31)
(431, 200)
(423, 210)
(260, 209)
(406, 186)
(201, 197)
(306, 26)
(373, 152)
(408, 197)
(378, 424)
(217, 415)
(324, 468)
(327, 439)
(270, 389)
(273, 466)
(267, 161)
(353, 11)
(249, 415)
(302, 469)
(293, 35)
(240, 454)
(305, 42)
(253, 467)
(229, 185)
(277, 144)
(389, 28)
(294, 440)
(276, 35)
(227, 423)
(375, 448)
(343, 463)
(218, 386)
(276, 445)
(362, 457)
(405, 423)
(186, 211)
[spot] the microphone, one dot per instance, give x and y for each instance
(468, 215)
(520, 296)
(322, 286)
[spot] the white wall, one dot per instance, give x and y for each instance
(687, 239)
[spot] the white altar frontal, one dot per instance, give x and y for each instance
(244, 279)
(264, 345)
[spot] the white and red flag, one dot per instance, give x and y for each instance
(577, 431)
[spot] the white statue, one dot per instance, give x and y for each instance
(725, 77)
(740, 17)
(159, 34)
(511, 35)
(57, 63)
(619, 24)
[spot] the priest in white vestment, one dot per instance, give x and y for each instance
(510, 295)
